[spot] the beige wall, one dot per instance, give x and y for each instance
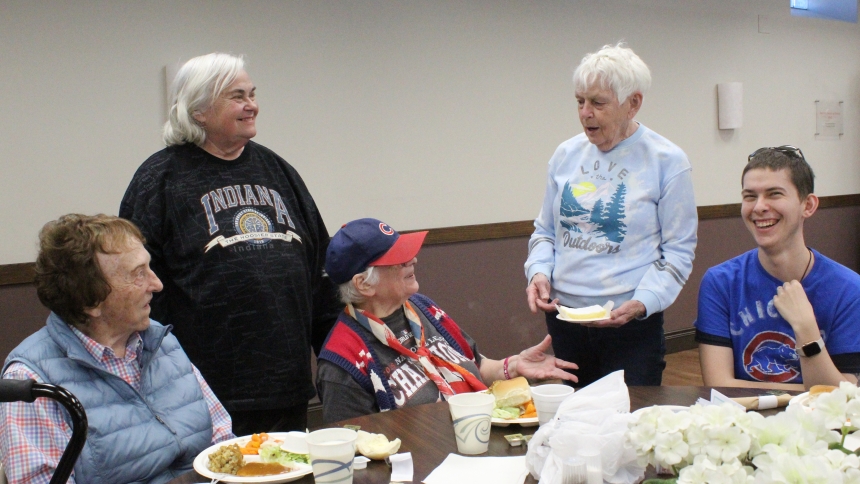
(451, 107)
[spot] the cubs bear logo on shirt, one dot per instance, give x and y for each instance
(771, 356)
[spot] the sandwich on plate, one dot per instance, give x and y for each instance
(513, 399)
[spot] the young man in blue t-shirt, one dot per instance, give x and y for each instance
(781, 315)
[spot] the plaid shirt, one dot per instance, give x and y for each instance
(34, 435)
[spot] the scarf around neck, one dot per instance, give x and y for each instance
(456, 380)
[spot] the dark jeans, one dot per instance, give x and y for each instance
(637, 348)
(247, 422)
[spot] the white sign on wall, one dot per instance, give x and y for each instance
(828, 119)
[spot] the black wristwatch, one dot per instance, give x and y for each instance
(811, 349)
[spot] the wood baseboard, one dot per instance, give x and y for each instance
(681, 340)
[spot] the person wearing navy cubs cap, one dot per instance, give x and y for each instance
(368, 242)
(393, 347)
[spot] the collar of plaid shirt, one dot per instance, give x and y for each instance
(127, 368)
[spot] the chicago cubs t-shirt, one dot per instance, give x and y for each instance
(736, 310)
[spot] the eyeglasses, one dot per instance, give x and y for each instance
(785, 149)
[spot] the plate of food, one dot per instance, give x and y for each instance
(513, 403)
(258, 458)
(585, 315)
(805, 399)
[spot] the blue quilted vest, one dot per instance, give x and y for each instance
(148, 436)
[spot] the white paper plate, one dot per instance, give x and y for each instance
(580, 320)
(606, 307)
(802, 400)
(201, 464)
(805, 402)
(504, 422)
(524, 422)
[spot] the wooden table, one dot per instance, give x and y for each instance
(427, 432)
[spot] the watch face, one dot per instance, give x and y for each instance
(811, 349)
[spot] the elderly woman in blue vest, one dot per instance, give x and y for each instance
(393, 347)
(149, 410)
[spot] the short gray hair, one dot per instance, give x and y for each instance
(616, 67)
(197, 84)
(350, 295)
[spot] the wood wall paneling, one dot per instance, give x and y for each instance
(23, 273)
(476, 274)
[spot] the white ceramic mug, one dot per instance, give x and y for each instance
(472, 414)
(332, 452)
(547, 398)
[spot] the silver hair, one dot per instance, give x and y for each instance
(350, 295)
(197, 84)
(615, 67)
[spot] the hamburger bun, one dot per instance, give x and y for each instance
(819, 389)
(511, 393)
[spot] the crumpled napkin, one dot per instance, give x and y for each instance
(456, 469)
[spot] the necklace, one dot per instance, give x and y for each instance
(807, 264)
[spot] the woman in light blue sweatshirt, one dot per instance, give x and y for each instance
(618, 223)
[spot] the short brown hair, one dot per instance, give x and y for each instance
(775, 159)
(69, 278)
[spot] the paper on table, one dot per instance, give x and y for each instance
(456, 469)
(401, 467)
(717, 397)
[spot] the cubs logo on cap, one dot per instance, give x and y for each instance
(368, 242)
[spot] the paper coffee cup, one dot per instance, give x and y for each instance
(332, 452)
(471, 414)
(547, 399)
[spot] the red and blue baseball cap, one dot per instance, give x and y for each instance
(368, 242)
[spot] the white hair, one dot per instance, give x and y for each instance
(348, 292)
(197, 84)
(615, 67)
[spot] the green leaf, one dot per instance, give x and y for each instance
(671, 480)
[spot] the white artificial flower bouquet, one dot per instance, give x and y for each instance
(724, 444)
